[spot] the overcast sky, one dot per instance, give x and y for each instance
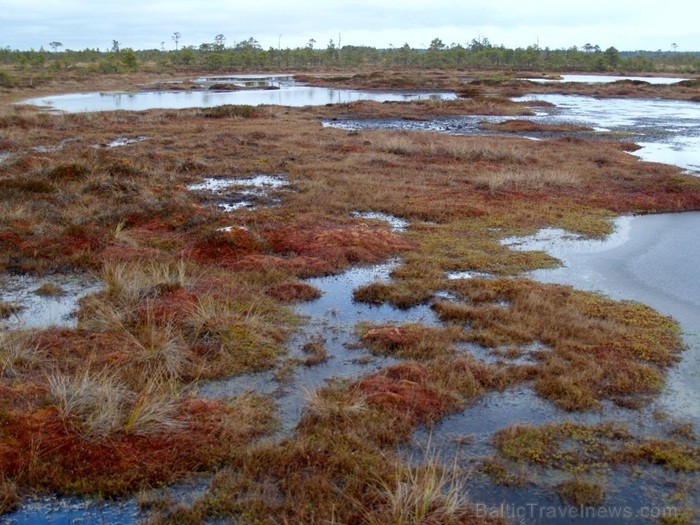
(625, 24)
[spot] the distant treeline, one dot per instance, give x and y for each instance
(248, 54)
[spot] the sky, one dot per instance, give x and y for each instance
(143, 24)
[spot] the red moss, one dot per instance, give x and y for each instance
(225, 248)
(300, 266)
(38, 450)
(292, 291)
(407, 390)
(172, 305)
(322, 246)
(70, 349)
(392, 337)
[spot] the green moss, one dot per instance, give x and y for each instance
(570, 445)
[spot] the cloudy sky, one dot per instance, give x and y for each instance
(626, 24)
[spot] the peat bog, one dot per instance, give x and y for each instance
(275, 312)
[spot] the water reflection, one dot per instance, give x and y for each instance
(605, 79)
(292, 95)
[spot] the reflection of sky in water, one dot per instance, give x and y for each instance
(683, 152)
(604, 79)
(621, 113)
(652, 259)
(667, 130)
(286, 96)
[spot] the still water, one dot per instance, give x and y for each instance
(605, 79)
(286, 95)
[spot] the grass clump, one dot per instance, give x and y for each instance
(91, 404)
(68, 172)
(668, 454)
(231, 111)
(49, 289)
(7, 309)
(679, 517)
(315, 351)
(428, 493)
(288, 292)
(503, 473)
(412, 341)
(581, 493)
(18, 352)
(9, 499)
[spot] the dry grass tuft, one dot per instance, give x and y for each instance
(7, 309)
(522, 180)
(49, 289)
(334, 406)
(18, 352)
(9, 499)
(428, 493)
(92, 404)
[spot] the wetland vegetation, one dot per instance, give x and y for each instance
(203, 232)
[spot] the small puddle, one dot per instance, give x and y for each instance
(467, 274)
(397, 224)
(52, 149)
(55, 307)
(72, 510)
(231, 194)
(120, 142)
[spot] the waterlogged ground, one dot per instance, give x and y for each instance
(651, 259)
(234, 194)
(667, 130)
(332, 318)
(43, 302)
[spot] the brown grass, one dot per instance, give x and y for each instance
(525, 126)
(9, 499)
(184, 300)
(315, 351)
(599, 348)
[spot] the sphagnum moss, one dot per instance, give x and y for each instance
(79, 208)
